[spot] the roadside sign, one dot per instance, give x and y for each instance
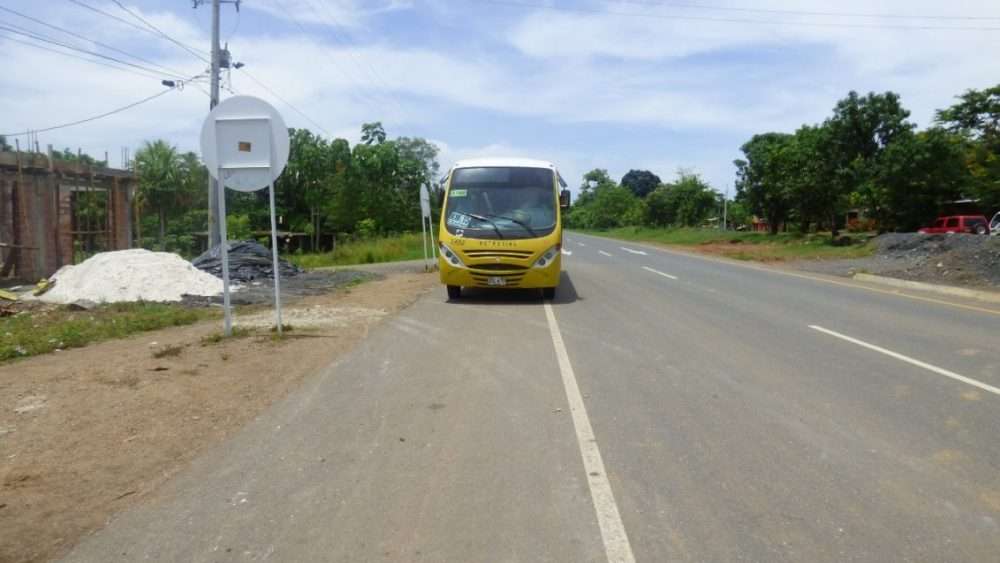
(425, 201)
(245, 145)
(244, 140)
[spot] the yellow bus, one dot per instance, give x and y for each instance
(501, 225)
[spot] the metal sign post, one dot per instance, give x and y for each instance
(425, 219)
(227, 323)
(245, 145)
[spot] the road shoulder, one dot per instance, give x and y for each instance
(89, 432)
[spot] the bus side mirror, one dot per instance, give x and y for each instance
(564, 199)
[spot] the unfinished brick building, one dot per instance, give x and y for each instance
(54, 212)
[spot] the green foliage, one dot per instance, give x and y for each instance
(366, 228)
(762, 178)
(603, 204)
(327, 187)
(365, 251)
(4, 145)
(238, 227)
(640, 182)
(976, 119)
(30, 334)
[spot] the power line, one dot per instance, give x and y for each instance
(875, 15)
(157, 30)
(98, 43)
(58, 52)
(370, 101)
(284, 101)
(371, 70)
(94, 118)
(740, 20)
(16, 29)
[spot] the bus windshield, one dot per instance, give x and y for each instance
(501, 202)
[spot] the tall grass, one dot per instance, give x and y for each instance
(408, 246)
(744, 245)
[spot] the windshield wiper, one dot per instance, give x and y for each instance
(518, 222)
(486, 220)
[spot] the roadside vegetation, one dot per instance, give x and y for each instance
(866, 159)
(744, 245)
(408, 246)
(330, 190)
(31, 333)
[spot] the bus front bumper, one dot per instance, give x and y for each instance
(507, 278)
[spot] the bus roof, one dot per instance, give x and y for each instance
(515, 162)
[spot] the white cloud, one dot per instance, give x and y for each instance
(334, 13)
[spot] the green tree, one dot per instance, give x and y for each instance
(686, 202)
(762, 177)
(692, 200)
(860, 131)
(160, 170)
(4, 145)
(918, 173)
(640, 182)
(976, 117)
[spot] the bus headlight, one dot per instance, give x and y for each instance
(547, 257)
(450, 256)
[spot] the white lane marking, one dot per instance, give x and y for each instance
(567, 252)
(604, 253)
(581, 244)
(909, 360)
(633, 251)
(616, 545)
(648, 269)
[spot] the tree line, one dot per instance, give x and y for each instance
(641, 198)
(866, 156)
(328, 187)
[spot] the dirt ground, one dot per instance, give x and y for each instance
(88, 432)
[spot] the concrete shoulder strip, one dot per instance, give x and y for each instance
(988, 296)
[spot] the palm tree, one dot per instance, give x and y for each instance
(159, 167)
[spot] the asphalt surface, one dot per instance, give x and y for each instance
(663, 408)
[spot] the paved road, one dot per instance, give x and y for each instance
(664, 408)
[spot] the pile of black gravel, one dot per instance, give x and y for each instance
(943, 257)
(248, 261)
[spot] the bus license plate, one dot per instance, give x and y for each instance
(496, 281)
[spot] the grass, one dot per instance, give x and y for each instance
(215, 338)
(408, 246)
(32, 333)
(745, 245)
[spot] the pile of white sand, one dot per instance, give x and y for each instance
(131, 275)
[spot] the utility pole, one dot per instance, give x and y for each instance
(214, 234)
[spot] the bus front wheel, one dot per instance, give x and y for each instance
(548, 293)
(454, 291)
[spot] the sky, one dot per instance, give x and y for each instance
(637, 84)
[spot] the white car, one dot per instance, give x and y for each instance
(995, 225)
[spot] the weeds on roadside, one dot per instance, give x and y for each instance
(38, 332)
(171, 351)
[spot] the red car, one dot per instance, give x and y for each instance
(976, 224)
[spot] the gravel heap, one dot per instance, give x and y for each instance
(942, 257)
(130, 275)
(248, 261)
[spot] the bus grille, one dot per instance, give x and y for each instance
(497, 267)
(491, 254)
